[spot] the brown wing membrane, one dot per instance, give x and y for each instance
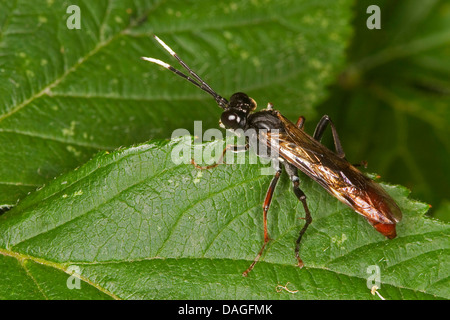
(335, 174)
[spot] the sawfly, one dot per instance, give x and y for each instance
(295, 149)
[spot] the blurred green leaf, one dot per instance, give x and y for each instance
(139, 226)
(392, 101)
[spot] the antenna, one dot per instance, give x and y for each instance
(193, 78)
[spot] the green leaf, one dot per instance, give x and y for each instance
(67, 93)
(134, 224)
(139, 226)
(391, 102)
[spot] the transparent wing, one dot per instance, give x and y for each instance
(333, 173)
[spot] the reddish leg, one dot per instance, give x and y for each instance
(266, 206)
(300, 122)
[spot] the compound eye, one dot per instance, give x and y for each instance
(230, 119)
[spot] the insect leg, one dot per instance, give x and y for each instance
(318, 133)
(220, 160)
(300, 122)
(266, 205)
(293, 175)
(320, 129)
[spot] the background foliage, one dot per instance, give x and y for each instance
(139, 226)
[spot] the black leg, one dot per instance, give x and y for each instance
(302, 197)
(320, 129)
(266, 206)
(293, 175)
(220, 160)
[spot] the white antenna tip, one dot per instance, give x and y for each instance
(161, 63)
(165, 46)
